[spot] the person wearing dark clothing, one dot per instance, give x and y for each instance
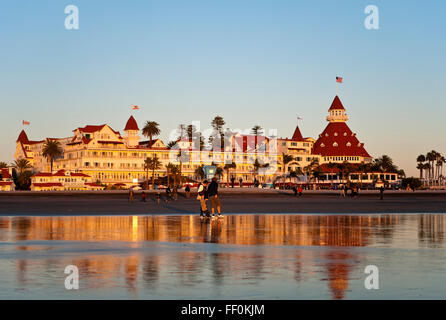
(213, 195)
(381, 192)
(295, 191)
(232, 182)
(143, 196)
(168, 193)
(187, 189)
(203, 197)
(241, 182)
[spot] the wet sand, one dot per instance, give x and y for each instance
(267, 201)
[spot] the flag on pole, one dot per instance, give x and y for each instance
(135, 107)
(339, 79)
(25, 123)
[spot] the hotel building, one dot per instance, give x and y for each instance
(114, 159)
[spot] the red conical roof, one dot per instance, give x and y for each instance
(23, 138)
(131, 124)
(336, 104)
(338, 140)
(297, 136)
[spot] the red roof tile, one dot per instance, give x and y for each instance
(347, 143)
(48, 184)
(6, 183)
(23, 137)
(131, 124)
(297, 136)
(336, 104)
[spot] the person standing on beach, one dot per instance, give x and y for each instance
(131, 195)
(202, 197)
(295, 191)
(381, 192)
(187, 189)
(213, 195)
(143, 196)
(299, 190)
(241, 182)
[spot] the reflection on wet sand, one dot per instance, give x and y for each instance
(144, 270)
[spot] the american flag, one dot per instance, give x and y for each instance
(135, 107)
(339, 79)
(25, 123)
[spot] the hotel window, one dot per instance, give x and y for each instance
(87, 164)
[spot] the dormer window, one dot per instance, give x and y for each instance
(349, 144)
(345, 134)
(335, 144)
(322, 145)
(336, 134)
(359, 144)
(326, 134)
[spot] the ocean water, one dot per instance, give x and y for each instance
(263, 256)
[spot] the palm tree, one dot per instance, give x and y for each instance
(312, 166)
(171, 144)
(52, 150)
(430, 158)
(421, 159)
(217, 123)
(256, 130)
(152, 163)
(345, 169)
(286, 158)
(21, 165)
(151, 129)
(168, 168)
(420, 167)
(199, 172)
(257, 165)
(228, 167)
(331, 166)
(3, 165)
(363, 168)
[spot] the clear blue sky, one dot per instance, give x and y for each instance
(252, 62)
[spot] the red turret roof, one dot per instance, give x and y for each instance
(23, 138)
(297, 136)
(131, 124)
(336, 104)
(338, 140)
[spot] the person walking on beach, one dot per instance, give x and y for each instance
(381, 192)
(131, 195)
(241, 182)
(295, 191)
(143, 196)
(299, 190)
(168, 193)
(202, 197)
(232, 182)
(213, 195)
(187, 189)
(175, 193)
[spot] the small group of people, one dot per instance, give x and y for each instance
(297, 190)
(208, 191)
(354, 191)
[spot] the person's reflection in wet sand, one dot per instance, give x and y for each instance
(131, 275)
(338, 270)
(150, 271)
